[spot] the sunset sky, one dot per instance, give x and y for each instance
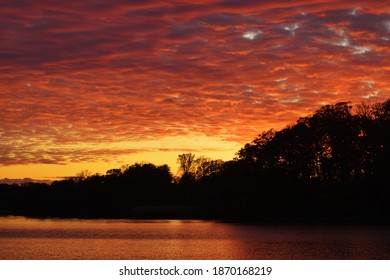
(97, 84)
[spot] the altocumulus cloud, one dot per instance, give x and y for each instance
(111, 71)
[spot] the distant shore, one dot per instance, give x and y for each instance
(176, 212)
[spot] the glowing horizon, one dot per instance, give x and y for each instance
(99, 85)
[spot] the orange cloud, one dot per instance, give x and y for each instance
(102, 72)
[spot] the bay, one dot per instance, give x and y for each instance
(72, 239)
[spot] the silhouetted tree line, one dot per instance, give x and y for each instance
(331, 166)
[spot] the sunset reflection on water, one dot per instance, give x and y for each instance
(23, 238)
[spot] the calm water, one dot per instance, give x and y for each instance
(23, 238)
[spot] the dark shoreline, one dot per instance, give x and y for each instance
(330, 167)
(341, 222)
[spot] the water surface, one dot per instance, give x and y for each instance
(25, 238)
